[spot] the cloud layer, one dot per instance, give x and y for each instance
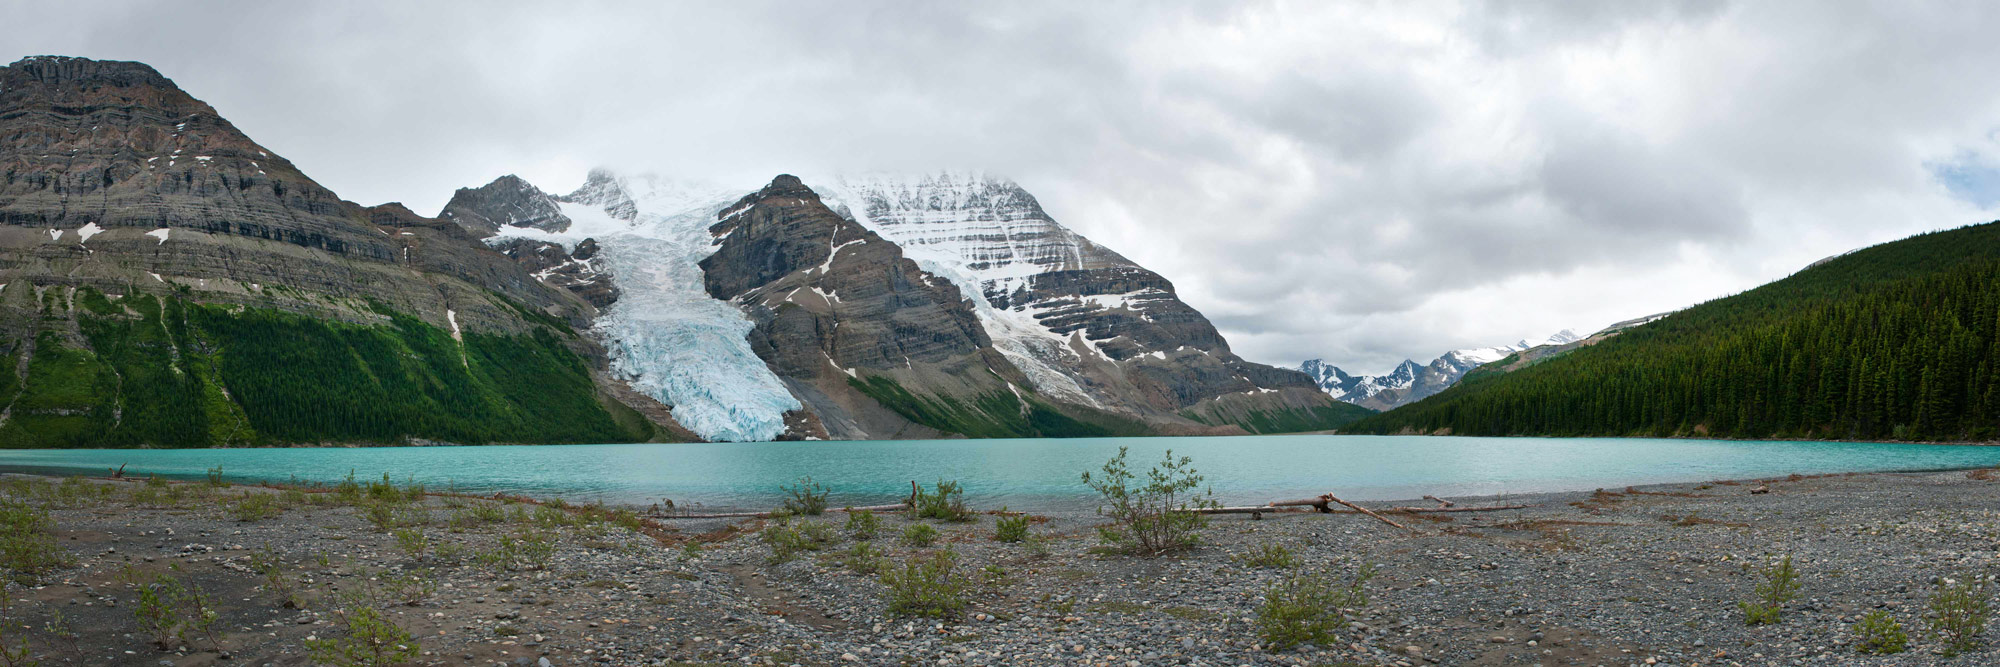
(1360, 182)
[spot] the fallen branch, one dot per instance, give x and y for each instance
(1429, 510)
(1441, 502)
(1364, 510)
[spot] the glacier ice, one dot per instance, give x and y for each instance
(665, 334)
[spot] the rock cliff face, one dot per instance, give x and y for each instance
(115, 184)
(1083, 322)
(506, 202)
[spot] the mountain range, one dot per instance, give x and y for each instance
(1410, 382)
(170, 282)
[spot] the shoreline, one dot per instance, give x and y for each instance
(1579, 578)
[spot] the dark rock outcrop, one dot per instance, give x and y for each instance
(506, 202)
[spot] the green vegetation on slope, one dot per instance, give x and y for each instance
(992, 415)
(1290, 420)
(1897, 341)
(169, 373)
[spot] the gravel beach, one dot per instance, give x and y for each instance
(1637, 576)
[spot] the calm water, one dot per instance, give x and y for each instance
(1032, 474)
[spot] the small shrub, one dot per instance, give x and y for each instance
(806, 499)
(926, 586)
(1271, 556)
(920, 535)
(788, 540)
(1780, 585)
(947, 503)
(412, 542)
(215, 478)
(1010, 528)
(363, 637)
(1154, 518)
(863, 524)
(380, 515)
(170, 609)
(347, 491)
(1309, 608)
(862, 558)
(28, 546)
(410, 588)
(267, 564)
(690, 551)
(1878, 633)
(526, 550)
(1958, 614)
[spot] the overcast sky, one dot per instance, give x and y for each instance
(1359, 182)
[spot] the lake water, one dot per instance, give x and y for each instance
(1030, 474)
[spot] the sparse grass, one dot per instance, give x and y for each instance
(1878, 633)
(1780, 585)
(862, 558)
(267, 564)
(788, 540)
(1309, 608)
(412, 542)
(410, 588)
(1958, 615)
(254, 507)
(926, 587)
(526, 550)
(920, 535)
(1271, 556)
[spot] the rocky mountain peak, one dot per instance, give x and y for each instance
(603, 188)
(70, 69)
(508, 201)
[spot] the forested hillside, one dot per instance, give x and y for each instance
(1896, 341)
(147, 371)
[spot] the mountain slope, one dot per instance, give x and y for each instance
(170, 282)
(1896, 341)
(1083, 323)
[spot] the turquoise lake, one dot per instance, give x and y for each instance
(1030, 474)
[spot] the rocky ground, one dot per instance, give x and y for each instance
(1619, 577)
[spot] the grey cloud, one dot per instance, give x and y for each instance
(1359, 182)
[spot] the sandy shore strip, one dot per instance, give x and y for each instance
(1640, 576)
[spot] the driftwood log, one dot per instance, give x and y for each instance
(898, 507)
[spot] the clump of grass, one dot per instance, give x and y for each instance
(788, 540)
(1878, 633)
(1780, 585)
(254, 507)
(926, 586)
(920, 535)
(863, 524)
(1010, 528)
(862, 558)
(1309, 608)
(1153, 518)
(1271, 556)
(946, 503)
(28, 546)
(806, 499)
(1958, 615)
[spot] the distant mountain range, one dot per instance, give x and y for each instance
(1410, 382)
(168, 282)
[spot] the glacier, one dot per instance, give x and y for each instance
(665, 334)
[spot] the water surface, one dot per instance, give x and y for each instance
(1033, 474)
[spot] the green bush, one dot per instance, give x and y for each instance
(926, 586)
(215, 478)
(1271, 556)
(1780, 585)
(363, 637)
(1958, 614)
(806, 499)
(1010, 528)
(412, 542)
(1154, 518)
(862, 558)
(254, 507)
(788, 540)
(171, 609)
(267, 564)
(526, 550)
(863, 524)
(946, 503)
(1878, 633)
(28, 546)
(920, 535)
(1309, 608)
